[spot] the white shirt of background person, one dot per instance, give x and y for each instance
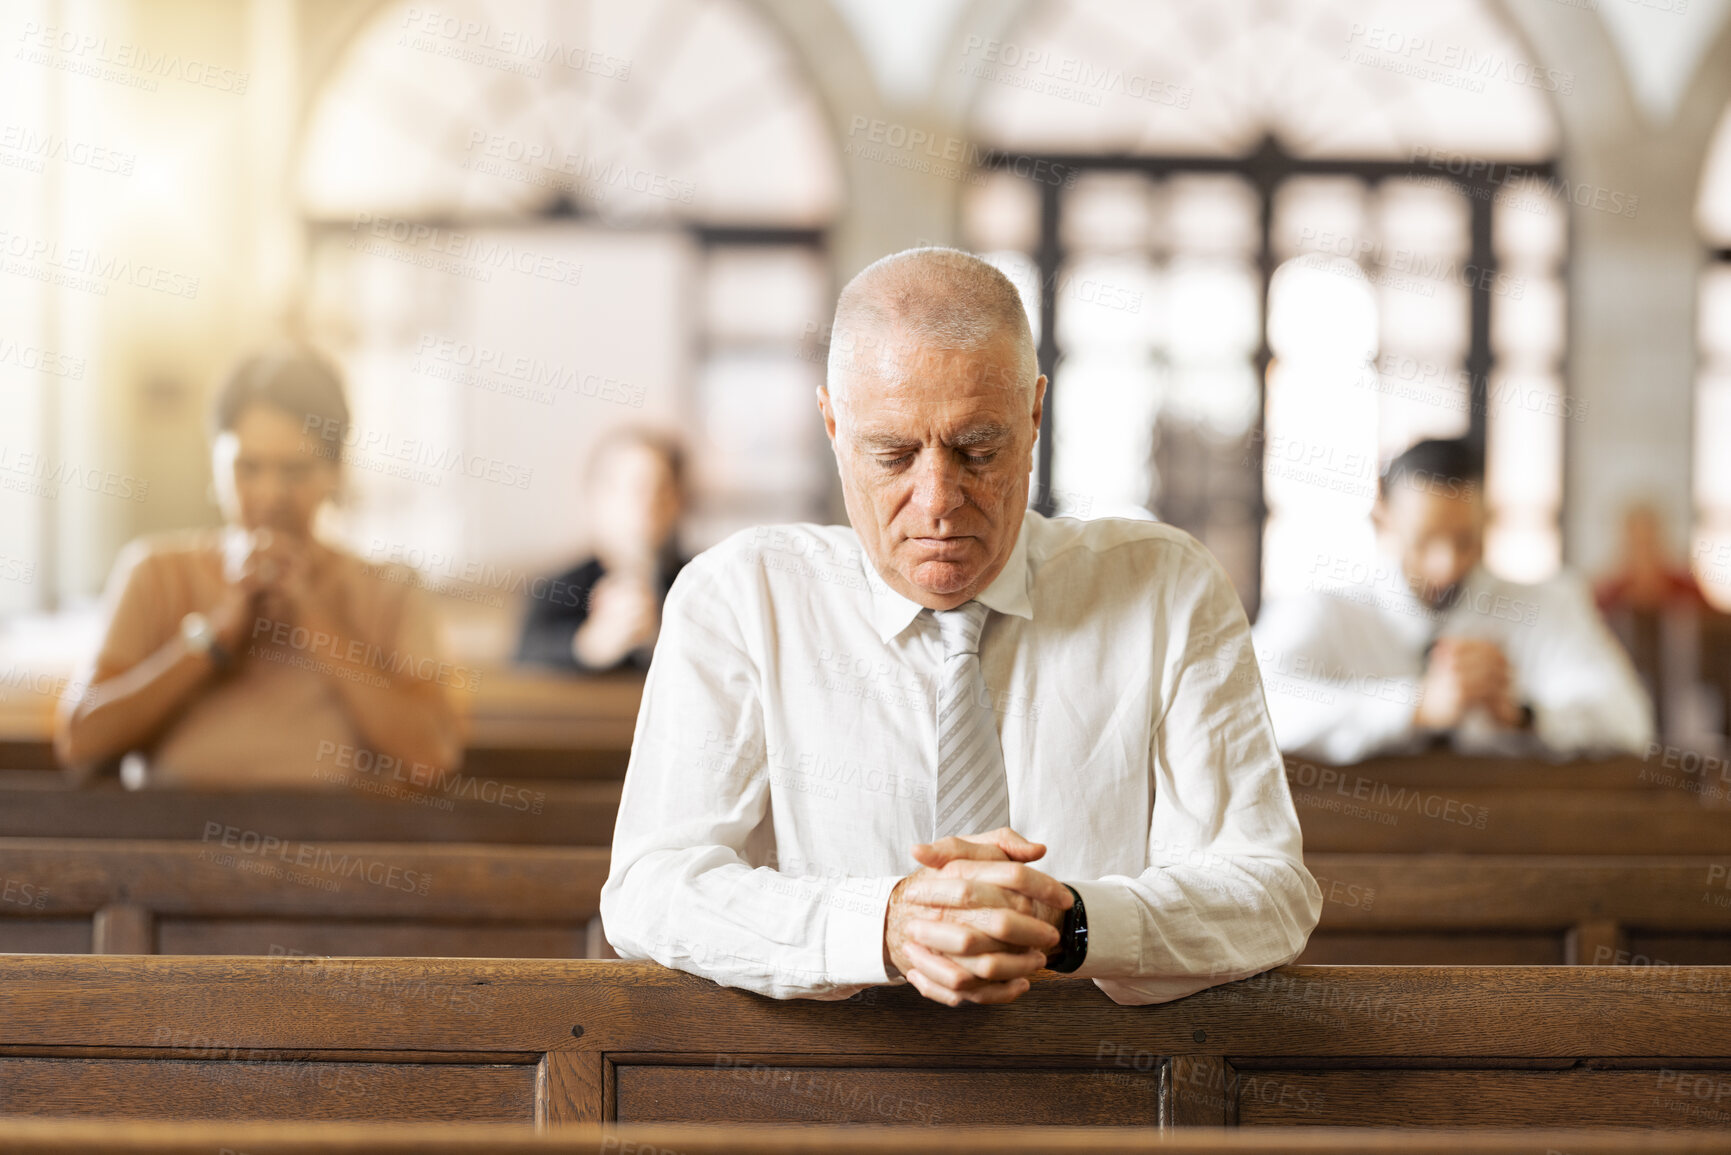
(1430, 645)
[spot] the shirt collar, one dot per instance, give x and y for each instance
(1008, 593)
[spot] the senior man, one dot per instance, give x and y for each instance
(854, 742)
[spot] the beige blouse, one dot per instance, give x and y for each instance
(275, 720)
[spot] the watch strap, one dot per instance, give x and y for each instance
(1073, 940)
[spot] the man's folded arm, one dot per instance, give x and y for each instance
(704, 910)
(681, 889)
(1174, 930)
(1225, 894)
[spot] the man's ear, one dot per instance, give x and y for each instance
(1379, 515)
(1039, 401)
(827, 408)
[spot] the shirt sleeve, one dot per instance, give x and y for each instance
(1337, 719)
(1226, 894)
(682, 889)
(1585, 695)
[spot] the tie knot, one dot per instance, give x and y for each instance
(960, 627)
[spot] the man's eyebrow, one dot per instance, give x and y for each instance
(887, 441)
(971, 436)
(979, 435)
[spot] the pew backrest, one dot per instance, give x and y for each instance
(1474, 910)
(242, 892)
(559, 1042)
(1368, 816)
(472, 809)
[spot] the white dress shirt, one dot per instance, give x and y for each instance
(785, 754)
(1343, 664)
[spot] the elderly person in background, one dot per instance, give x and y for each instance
(255, 654)
(959, 686)
(1434, 649)
(1648, 578)
(605, 612)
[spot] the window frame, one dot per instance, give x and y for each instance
(1266, 169)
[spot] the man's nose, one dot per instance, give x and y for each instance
(938, 484)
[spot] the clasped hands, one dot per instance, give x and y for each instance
(272, 577)
(1463, 673)
(975, 920)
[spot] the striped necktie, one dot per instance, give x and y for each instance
(973, 793)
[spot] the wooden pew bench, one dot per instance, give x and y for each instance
(523, 724)
(1353, 813)
(1662, 769)
(63, 1137)
(1475, 910)
(1363, 815)
(237, 892)
(562, 1042)
(554, 814)
(531, 725)
(1667, 802)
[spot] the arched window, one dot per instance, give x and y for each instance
(533, 222)
(1269, 246)
(1712, 552)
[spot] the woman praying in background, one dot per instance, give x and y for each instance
(606, 612)
(255, 654)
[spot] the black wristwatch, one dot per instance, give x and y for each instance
(1073, 943)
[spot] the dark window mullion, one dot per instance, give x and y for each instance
(1481, 271)
(1049, 260)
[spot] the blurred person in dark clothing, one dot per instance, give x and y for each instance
(605, 612)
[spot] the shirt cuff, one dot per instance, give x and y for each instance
(1114, 930)
(853, 936)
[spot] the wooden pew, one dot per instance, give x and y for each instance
(531, 725)
(1359, 814)
(1661, 770)
(1472, 910)
(564, 1042)
(523, 725)
(1386, 820)
(215, 897)
(27, 718)
(1352, 811)
(237, 893)
(62, 1137)
(552, 814)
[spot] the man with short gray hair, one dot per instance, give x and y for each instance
(854, 742)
